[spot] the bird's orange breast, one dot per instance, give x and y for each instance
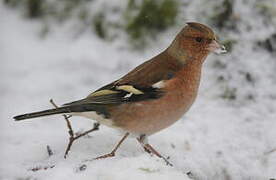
(148, 117)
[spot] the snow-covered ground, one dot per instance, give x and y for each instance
(216, 139)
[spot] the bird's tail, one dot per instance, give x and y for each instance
(65, 109)
(42, 113)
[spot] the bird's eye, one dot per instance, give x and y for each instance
(199, 39)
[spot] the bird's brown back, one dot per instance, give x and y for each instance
(160, 67)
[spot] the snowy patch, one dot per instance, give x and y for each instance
(218, 138)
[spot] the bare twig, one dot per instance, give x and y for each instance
(72, 136)
(49, 151)
(39, 168)
(82, 167)
(70, 130)
(270, 151)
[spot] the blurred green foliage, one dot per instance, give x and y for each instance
(143, 20)
(58, 10)
(269, 43)
(98, 25)
(35, 8)
(218, 64)
(140, 19)
(268, 10)
(229, 44)
(150, 17)
(223, 15)
(13, 3)
(229, 93)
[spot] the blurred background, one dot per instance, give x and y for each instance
(65, 49)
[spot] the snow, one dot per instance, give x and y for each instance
(216, 139)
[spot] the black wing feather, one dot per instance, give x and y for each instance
(149, 93)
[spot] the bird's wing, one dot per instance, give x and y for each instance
(142, 83)
(150, 72)
(118, 94)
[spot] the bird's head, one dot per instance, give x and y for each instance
(195, 40)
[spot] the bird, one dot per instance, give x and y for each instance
(152, 96)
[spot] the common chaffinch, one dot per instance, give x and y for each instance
(152, 96)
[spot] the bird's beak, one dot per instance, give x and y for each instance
(216, 47)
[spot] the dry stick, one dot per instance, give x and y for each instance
(70, 130)
(269, 152)
(72, 137)
(49, 151)
(42, 168)
(39, 168)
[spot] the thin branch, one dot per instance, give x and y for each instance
(70, 130)
(270, 151)
(72, 136)
(39, 168)
(49, 151)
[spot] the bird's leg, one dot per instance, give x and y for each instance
(143, 139)
(112, 153)
(72, 137)
(149, 149)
